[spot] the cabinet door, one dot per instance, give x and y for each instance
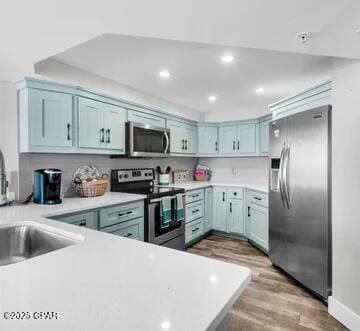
(114, 124)
(144, 118)
(190, 137)
(87, 219)
(236, 216)
(176, 136)
(264, 137)
(219, 209)
(227, 139)
(208, 201)
(208, 140)
(258, 221)
(133, 229)
(91, 130)
(51, 119)
(246, 139)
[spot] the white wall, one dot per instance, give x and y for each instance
(60, 72)
(242, 169)
(346, 192)
(8, 132)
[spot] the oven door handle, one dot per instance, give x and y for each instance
(160, 199)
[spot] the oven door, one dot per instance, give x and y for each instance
(146, 140)
(157, 234)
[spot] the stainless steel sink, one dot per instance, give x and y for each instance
(22, 242)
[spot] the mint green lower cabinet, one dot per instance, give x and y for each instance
(236, 216)
(86, 219)
(194, 230)
(194, 210)
(208, 209)
(258, 224)
(219, 209)
(109, 216)
(208, 142)
(194, 195)
(133, 229)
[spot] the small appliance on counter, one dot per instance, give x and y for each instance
(47, 186)
(202, 173)
(164, 177)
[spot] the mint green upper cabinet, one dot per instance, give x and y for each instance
(114, 119)
(101, 126)
(264, 136)
(90, 133)
(236, 216)
(227, 139)
(183, 137)
(208, 140)
(45, 121)
(238, 139)
(146, 118)
(219, 209)
(246, 139)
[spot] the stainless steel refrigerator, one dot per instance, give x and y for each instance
(300, 198)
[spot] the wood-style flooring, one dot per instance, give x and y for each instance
(273, 300)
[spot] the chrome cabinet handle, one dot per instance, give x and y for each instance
(68, 131)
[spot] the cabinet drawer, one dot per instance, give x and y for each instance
(260, 199)
(235, 193)
(194, 210)
(87, 219)
(194, 230)
(121, 213)
(133, 229)
(195, 195)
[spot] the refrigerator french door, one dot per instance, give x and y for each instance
(300, 198)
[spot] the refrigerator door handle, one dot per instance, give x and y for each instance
(286, 176)
(281, 175)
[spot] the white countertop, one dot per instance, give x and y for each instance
(108, 282)
(257, 186)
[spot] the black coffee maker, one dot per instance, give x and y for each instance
(47, 186)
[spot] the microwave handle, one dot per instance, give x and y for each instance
(167, 142)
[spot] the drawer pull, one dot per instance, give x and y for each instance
(257, 198)
(82, 223)
(129, 234)
(235, 193)
(195, 211)
(195, 230)
(123, 214)
(195, 195)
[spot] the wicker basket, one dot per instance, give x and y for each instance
(94, 188)
(202, 178)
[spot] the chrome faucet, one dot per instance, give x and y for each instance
(3, 181)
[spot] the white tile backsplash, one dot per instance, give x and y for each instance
(69, 163)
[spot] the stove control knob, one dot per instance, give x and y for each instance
(126, 176)
(146, 174)
(120, 176)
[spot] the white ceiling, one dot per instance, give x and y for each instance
(31, 31)
(197, 71)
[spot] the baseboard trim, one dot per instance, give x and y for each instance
(342, 313)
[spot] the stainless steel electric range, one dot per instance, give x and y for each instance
(141, 181)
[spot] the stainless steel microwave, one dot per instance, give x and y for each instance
(143, 140)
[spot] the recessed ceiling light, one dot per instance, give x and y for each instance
(164, 74)
(357, 30)
(227, 58)
(259, 90)
(212, 98)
